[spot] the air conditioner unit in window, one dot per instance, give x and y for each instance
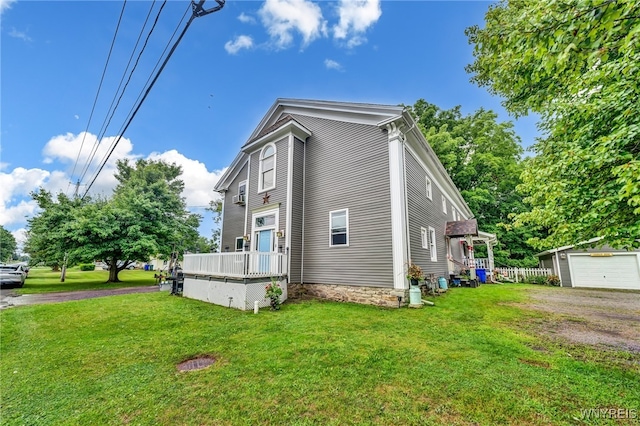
(238, 199)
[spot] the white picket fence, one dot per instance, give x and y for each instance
(521, 274)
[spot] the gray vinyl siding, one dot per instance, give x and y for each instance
(347, 167)
(297, 204)
(565, 273)
(277, 195)
(423, 212)
(233, 216)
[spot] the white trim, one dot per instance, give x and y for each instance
(221, 221)
(235, 248)
(261, 187)
(397, 187)
(555, 250)
(246, 210)
(273, 227)
(331, 227)
(428, 187)
(433, 247)
(289, 207)
(304, 198)
(424, 238)
(556, 261)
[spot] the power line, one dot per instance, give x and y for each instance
(112, 109)
(197, 11)
(113, 41)
(175, 31)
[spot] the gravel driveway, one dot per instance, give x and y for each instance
(11, 299)
(593, 317)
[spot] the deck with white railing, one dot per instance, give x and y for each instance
(236, 265)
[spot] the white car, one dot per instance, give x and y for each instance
(13, 275)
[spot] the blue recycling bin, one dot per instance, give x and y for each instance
(146, 267)
(482, 275)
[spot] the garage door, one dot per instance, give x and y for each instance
(618, 271)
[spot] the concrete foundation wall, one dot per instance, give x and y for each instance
(379, 296)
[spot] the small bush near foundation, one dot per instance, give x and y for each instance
(537, 279)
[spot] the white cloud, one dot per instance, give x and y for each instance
(332, 65)
(21, 236)
(356, 16)
(246, 19)
(76, 116)
(17, 184)
(241, 42)
(5, 5)
(19, 34)
(282, 17)
(198, 181)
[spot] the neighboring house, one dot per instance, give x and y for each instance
(334, 198)
(601, 267)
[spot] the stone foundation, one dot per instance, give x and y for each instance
(378, 296)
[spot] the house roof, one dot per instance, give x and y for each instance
(284, 120)
(555, 250)
(461, 228)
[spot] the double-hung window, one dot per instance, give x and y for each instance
(444, 204)
(432, 244)
(424, 237)
(267, 168)
(339, 228)
(429, 189)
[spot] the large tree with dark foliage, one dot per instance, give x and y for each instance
(576, 64)
(484, 159)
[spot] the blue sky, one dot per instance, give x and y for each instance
(228, 70)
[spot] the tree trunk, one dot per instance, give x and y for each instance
(113, 273)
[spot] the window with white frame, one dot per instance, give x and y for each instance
(424, 237)
(267, 168)
(432, 244)
(239, 244)
(429, 189)
(242, 188)
(444, 204)
(339, 228)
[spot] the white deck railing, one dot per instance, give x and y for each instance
(481, 263)
(236, 265)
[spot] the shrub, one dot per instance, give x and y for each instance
(537, 279)
(273, 293)
(87, 267)
(553, 280)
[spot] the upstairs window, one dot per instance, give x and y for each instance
(429, 190)
(432, 244)
(444, 205)
(267, 168)
(424, 237)
(339, 228)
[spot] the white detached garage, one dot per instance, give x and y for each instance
(601, 267)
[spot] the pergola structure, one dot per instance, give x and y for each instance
(467, 230)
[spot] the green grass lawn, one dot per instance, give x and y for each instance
(44, 280)
(472, 359)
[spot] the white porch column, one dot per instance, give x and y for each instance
(398, 206)
(490, 256)
(472, 260)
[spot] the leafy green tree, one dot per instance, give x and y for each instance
(215, 207)
(145, 217)
(575, 64)
(47, 233)
(483, 158)
(7, 245)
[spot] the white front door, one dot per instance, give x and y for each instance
(264, 245)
